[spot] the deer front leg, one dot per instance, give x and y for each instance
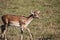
(21, 33)
(29, 33)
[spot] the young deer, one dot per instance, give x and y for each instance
(21, 21)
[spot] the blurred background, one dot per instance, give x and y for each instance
(45, 28)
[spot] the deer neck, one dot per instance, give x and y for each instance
(30, 17)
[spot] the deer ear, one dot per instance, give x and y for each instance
(32, 12)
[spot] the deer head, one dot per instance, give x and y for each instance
(35, 13)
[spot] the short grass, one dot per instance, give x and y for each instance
(48, 26)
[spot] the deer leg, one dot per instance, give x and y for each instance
(5, 32)
(21, 33)
(29, 33)
(4, 28)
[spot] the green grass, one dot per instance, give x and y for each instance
(47, 26)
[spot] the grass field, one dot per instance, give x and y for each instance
(47, 27)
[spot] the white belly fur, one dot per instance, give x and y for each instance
(13, 23)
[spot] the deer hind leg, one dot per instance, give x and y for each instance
(29, 33)
(3, 30)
